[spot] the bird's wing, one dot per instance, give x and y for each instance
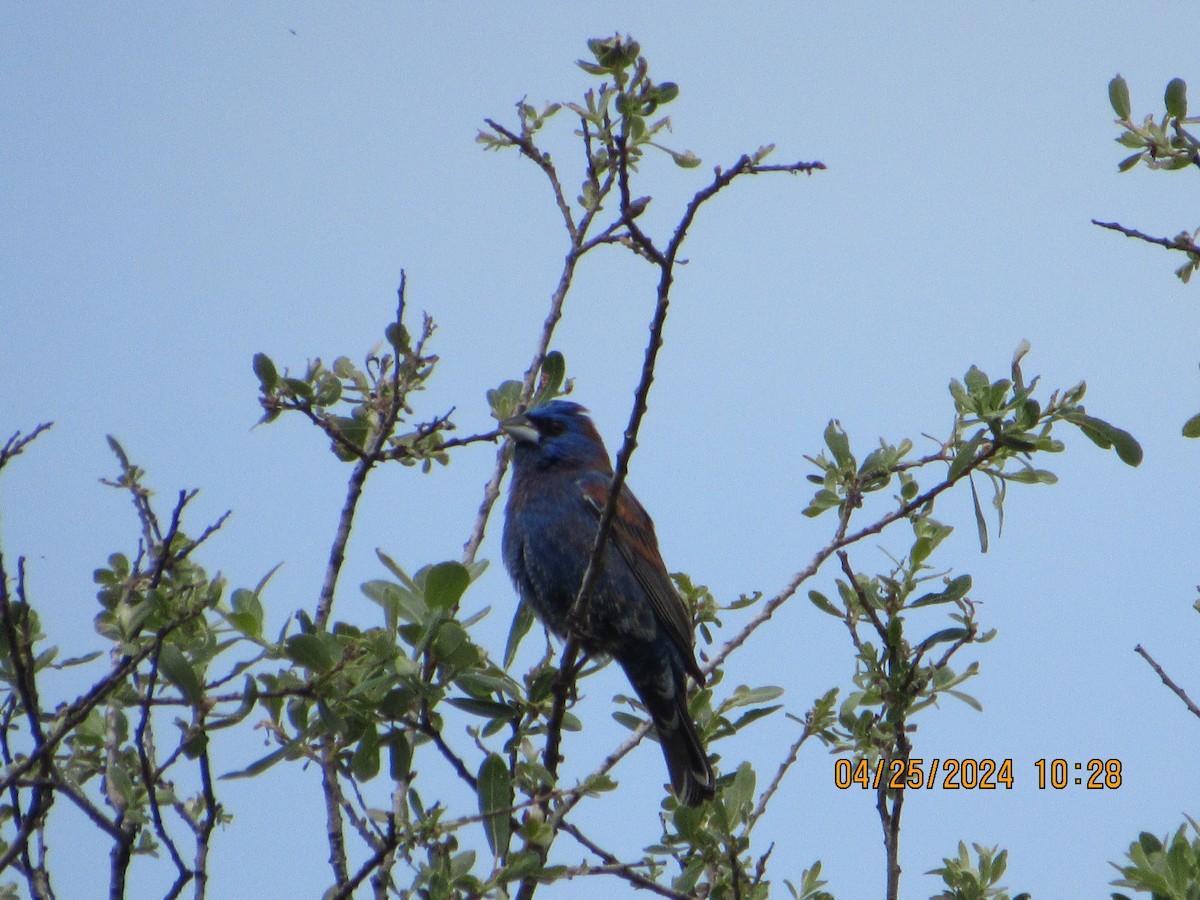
(633, 536)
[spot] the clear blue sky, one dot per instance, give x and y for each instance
(186, 186)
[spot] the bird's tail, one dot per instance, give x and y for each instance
(663, 691)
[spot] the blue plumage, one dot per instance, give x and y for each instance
(561, 479)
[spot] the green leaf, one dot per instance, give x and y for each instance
(194, 744)
(1191, 428)
(745, 696)
(78, 660)
(964, 455)
(839, 444)
(738, 796)
(1105, 435)
(976, 380)
(316, 652)
(629, 720)
(268, 377)
(495, 800)
(1118, 96)
(453, 647)
(554, 371)
(395, 569)
(821, 501)
(118, 779)
(945, 636)
(1176, 98)
(966, 698)
(397, 336)
(174, 665)
(666, 92)
(298, 388)
(249, 698)
(488, 709)
(247, 614)
(290, 750)
(503, 400)
(521, 623)
(1030, 475)
(365, 761)
(980, 521)
(955, 590)
(400, 753)
(484, 684)
(685, 160)
(962, 400)
(445, 583)
(1130, 161)
(328, 390)
(821, 602)
(399, 602)
(753, 716)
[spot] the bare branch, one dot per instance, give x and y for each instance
(358, 477)
(17, 443)
(1166, 679)
(613, 866)
(144, 743)
(1183, 241)
(332, 790)
(525, 144)
(880, 628)
(765, 797)
(71, 716)
(347, 886)
(557, 299)
(840, 540)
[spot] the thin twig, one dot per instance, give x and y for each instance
(73, 715)
(613, 866)
(525, 144)
(492, 490)
(564, 685)
(17, 443)
(889, 817)
(358, 477)
(579, 245)
(346, 887)
(212, 812)
(144, 742)
(880, 628)
(1166, 679)
(839, 541)
(332, 790)
(765, 797)
(1183, 242)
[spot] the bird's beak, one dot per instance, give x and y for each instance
(520, 429)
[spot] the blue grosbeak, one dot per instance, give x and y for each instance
(561, 480)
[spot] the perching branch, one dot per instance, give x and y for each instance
(666, 264)
(840, 539)
(578, 245)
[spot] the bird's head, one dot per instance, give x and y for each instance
(557, 432)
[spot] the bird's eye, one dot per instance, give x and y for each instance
(551, 427)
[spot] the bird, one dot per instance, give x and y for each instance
(561, 480)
